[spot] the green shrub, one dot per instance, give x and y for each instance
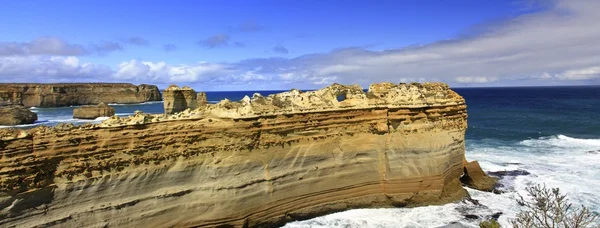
(548, 208)
(489, 224)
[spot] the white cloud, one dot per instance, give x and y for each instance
(557, 45)
(553, 41)
(165, 73)
(464, 79)
(580, 74)
(41, 46)
(49, 69)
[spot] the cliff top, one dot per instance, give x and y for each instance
(87, 84)
(332, 98)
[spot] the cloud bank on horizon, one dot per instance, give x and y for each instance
(559, 45)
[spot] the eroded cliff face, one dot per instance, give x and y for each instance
(56, 95)
(258, 162)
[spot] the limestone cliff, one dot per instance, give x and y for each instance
(262, 161)
(56, 95)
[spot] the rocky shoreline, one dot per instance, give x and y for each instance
(261, 161)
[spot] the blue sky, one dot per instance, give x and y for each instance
(245, 45)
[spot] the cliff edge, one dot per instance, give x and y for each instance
(57, 95)
(259, 162)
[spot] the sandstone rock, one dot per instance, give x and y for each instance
(57, 95)
(93, 112)
(16, 115)
(178, 99)
(201, 99)
(10, 98)
(474, 177)
(258, 162)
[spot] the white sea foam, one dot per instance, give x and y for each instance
(143, 103)
(568, 163)
(100, 119)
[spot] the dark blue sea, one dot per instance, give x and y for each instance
(526, 135)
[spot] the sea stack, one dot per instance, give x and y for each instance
(16, 115)
(93, 111)
(67, 94)
(178, 99)
(258, 162)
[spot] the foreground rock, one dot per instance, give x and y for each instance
(57, 95)
(262, 161)
(93, 112)
(475, 177)
(16, 115)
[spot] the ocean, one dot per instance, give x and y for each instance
(527, 135)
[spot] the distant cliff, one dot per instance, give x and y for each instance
(259, 162)
(57, 95)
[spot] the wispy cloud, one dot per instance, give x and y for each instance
(136, 40)
(106, 47)
(249, 26)
(217, 40)
(559, 45)
(239, 44)
(41, 46)
(169, 47)
(280, 49)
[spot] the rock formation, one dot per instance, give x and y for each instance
(201, 99)
(475, 178)
(261, 161)
(56, 95)
(93, 112)
(10, 98)
(178, 99)
(16, 115)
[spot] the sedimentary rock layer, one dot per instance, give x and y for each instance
(258, 162)
(93, 111)
(178, 99)
(56, 95)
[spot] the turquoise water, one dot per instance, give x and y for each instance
(547, 135)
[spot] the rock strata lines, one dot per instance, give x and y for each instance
(258, 162)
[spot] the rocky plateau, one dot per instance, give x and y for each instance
(67, 94)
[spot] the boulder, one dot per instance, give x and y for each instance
(15, 115)
(93, 112)
(474, 177)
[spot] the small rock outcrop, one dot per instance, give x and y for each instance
(16, 115)
(67, 94)
(93, 112)
(177, 99)
(201, 99)
(474, 177)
